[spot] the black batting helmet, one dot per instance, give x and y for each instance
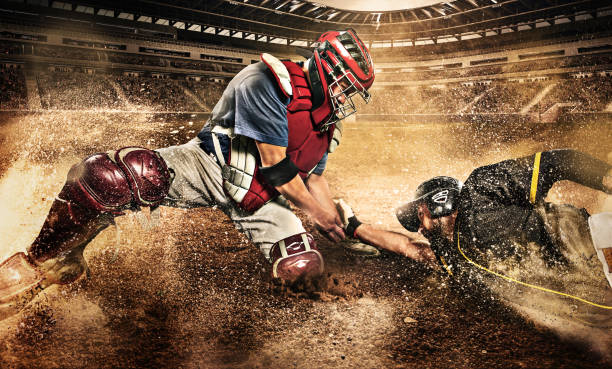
(440, 194)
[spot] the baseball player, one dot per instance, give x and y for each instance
(266, 142)
(497, 211)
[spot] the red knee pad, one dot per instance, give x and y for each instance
(147, 174)
(296, 257)
(114, 181)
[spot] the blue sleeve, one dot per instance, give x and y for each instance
(260, 112)
(321, 165)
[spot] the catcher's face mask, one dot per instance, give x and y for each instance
(341, 67)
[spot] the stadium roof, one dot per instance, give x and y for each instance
(376, 6)
(299, 22)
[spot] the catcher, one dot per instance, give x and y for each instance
(269, 135)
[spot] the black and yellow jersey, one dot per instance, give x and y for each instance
(498, 204)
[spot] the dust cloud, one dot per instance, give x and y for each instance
(186, 290)
(397, 158)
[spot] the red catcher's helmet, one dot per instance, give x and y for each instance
(340, 60)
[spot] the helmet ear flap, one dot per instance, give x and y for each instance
(321, 106)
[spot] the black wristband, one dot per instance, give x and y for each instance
(280, 173)
(351, 228)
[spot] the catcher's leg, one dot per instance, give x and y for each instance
(296, 257)
(282, 239)
(97, 189)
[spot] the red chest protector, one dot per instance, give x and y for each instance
(306, 147)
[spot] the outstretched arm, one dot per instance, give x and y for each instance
(399, 243)
(326, 221)
(576, 166)
(319, 188)
(411, 246)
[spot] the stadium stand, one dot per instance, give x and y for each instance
(13, 93)
(75, 90)
(7, 48)
(66, 53)
(70, 90)
(448, 63)
(506, 97)
(156, 94)
(603, 61)
(207, 92)
(592, 94)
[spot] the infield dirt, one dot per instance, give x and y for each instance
(182, 288)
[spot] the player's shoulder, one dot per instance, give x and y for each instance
(279, 71)
(255, 75)
(494, 171)
(480, 173)
(260, 81)
(483, 179)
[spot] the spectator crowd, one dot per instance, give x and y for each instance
(174, 89)
(75, 90)
(592, 94)
(13, 93)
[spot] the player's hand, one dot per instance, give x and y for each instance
(350, 223)
(345, 211)
(329, 225)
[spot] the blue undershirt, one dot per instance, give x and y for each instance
(254, 106)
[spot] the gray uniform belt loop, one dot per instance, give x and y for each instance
(220, 158)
